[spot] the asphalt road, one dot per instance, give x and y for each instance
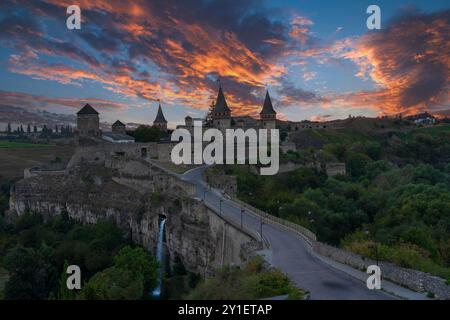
(289, 252)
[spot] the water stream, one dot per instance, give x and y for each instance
(159, 256)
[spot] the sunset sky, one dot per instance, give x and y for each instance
(317, 58)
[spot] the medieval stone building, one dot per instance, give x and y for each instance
(268, 116)
(160, 121)
(88, 123)
(221, 114)
(119, 127)
(222, 118)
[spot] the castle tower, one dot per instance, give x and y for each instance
(188, 121)
(221, 114)
(88, 123)
(268, 116)
(119, 127)
(160, 121)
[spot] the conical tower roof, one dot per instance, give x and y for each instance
(267, 106)
(160, 116)
(221, 105)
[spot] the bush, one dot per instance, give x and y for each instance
(251, 282)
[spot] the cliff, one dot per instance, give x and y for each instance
(135, 198)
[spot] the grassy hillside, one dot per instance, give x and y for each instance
(17, 156)
(394, 200)
(15, 145)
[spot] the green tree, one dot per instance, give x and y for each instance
(63, 292)
(356, 164)
(140, 262)
(147, 134)
(29, 276)
(114, 284)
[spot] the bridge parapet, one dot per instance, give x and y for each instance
(308, 235)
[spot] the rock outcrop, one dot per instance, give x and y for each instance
(135, 197)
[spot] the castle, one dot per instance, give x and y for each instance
(221, 118)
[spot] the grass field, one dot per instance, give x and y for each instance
(15, 145)
(434, 129)
(345, 135)
(13, 160)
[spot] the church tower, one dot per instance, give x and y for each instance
(268, 116)
(160, 121)
(221, 114)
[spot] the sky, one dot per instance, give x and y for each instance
(318, 59)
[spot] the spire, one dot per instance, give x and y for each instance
(160, 116)
(221, 104)
(267, 106)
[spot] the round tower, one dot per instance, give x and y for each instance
(268, 116)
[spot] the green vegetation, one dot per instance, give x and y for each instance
(394, 201)
(345, 135)
(15, 145)
(35, 252)
(251, 282)
(147, 134)
(132, 275)
(3, 279)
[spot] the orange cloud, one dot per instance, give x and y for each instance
(191, 52)
(409, 61)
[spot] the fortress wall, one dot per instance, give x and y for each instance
(102, 151)
(195, 233)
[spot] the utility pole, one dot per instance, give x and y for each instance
(242, 218)
(220, 206)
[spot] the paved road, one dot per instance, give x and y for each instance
(289, 252)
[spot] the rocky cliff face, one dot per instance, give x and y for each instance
(198, 236)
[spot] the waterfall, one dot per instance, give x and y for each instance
(159, 256)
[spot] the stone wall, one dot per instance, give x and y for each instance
(413, 279)
(101, 151)
(335, 168)
(194, 232)
(221, 181)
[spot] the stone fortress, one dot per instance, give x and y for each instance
(110, 176)
(118, 142)
(88, 126)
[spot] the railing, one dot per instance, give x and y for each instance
(308, 235)
(248, 231)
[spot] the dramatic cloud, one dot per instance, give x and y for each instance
(37, 102)
(409, 60)
(176, 50)
(171, 50)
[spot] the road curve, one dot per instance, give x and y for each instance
(289, 252)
